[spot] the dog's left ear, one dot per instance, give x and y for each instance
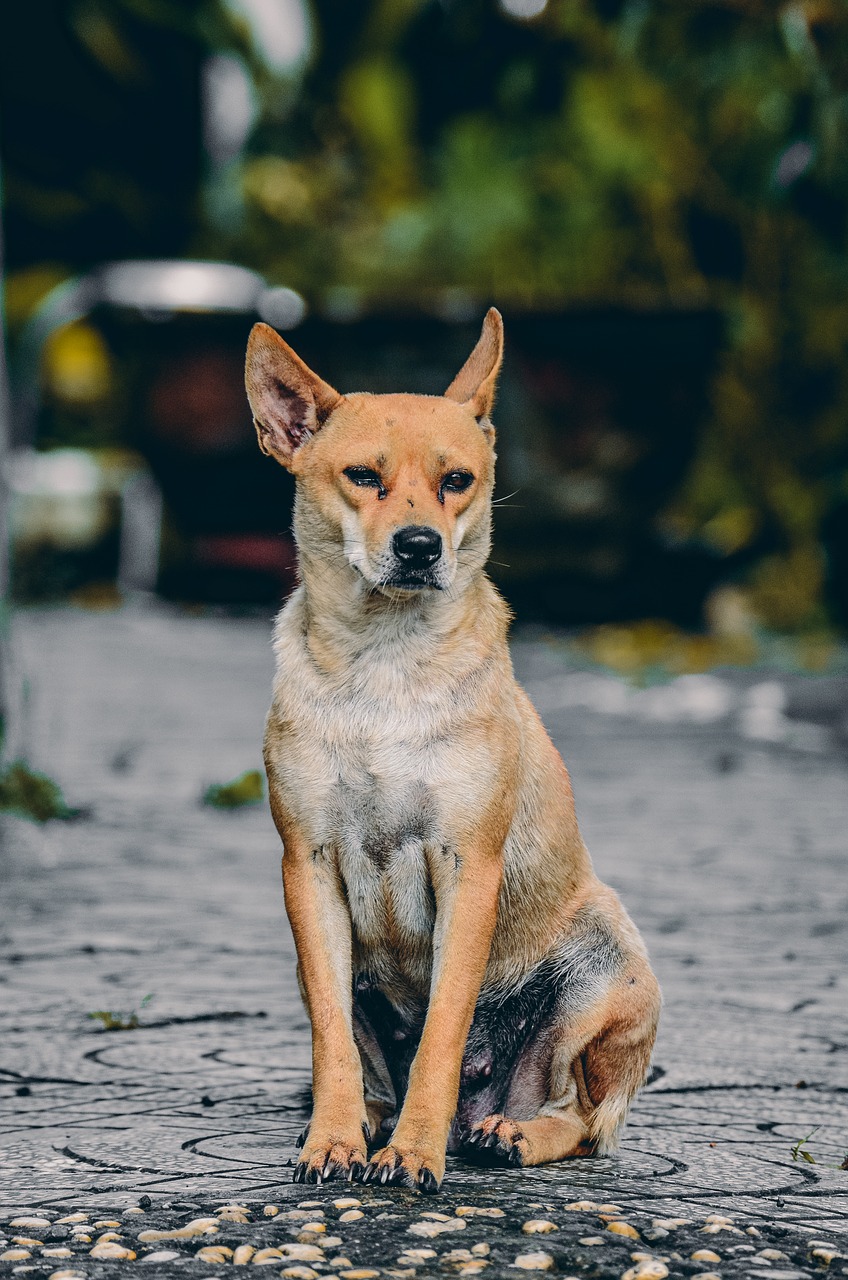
(474, 385)
(289, 402)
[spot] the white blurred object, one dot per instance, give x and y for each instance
(279, 30)
(524, 9)
(58, 498)
(761, 716)
(230, 107)
(283, 308)
(141, 533)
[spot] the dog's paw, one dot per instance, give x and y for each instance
(329, 1156)
(498, 1138)
(404, 1167)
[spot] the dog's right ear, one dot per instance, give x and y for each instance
(289, 402)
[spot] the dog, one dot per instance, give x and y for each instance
(471, 985)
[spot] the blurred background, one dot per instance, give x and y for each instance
(653, 193)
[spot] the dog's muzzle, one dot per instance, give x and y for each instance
(416, 549)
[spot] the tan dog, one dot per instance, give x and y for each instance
(460, 961)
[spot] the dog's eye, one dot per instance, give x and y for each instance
(365, 478)
(455, 482)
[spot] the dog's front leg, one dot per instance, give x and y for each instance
(466, 887)
(336, 1140)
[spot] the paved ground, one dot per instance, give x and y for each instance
(721, 823)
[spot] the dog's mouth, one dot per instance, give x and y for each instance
(412, 582)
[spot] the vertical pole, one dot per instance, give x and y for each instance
(5, 425)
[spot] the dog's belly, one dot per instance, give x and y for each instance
(380, 836)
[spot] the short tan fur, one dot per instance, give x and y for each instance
(470, 982)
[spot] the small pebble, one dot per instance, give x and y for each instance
(214, 1253)
(359, 1273)
(651, 1270)
(301, 1215)
(132, 1211)
(641, 1257)
(457, 1255)
(351, 1215)
(708, 1275)
(419, 1254)
(704, 1255)
(309, 1204)
(57, 1253)
(315, 1227)
(162, 1255)
(72, 1217)
(31, 1223)
(271, 1210)
(438, 1217)
(752, 1231)
(347, 1202)
(232, 1215)
(197, 1227)
(431, 1229)
(772, 1255)
(481, 1250)
(592, 1240)
(110, 1250)
(623, 1229)
(302, 1252)
(263, 1256)
(81, 1237)
(106, 1223)
(824, 1254)
(298, 1272)
(243, 1254)
(671, 1224)
(475, 1211)
(341, 1261)
(538, 1227)
(331, 1242)
(27, 1242)
(66, 1275)
(584, 1206)
(474, 1267)
(653, 1234)
(536, 1261)
(15, 1255)
(106, 1236)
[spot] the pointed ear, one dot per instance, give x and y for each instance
(289, 402)
(474, 385)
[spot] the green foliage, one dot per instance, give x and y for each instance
(799, 1150)
(638, 153)
(244, 790)
(32, 795)
(113, 1020)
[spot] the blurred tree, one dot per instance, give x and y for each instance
(638, 152)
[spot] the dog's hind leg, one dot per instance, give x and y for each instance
(574, 1082)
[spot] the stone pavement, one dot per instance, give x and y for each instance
(722, 825)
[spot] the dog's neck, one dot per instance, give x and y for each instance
(346, 620)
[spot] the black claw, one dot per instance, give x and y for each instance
(355, 1174)
(366, 1132)
(299, 1171)
(427, 1181)
(490, 1141)
(515, 1157)
(474, 1138)
(301, 1137)
(368, 1173)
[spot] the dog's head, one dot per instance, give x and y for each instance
(397, 486)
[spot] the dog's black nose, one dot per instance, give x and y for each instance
(416, 546)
